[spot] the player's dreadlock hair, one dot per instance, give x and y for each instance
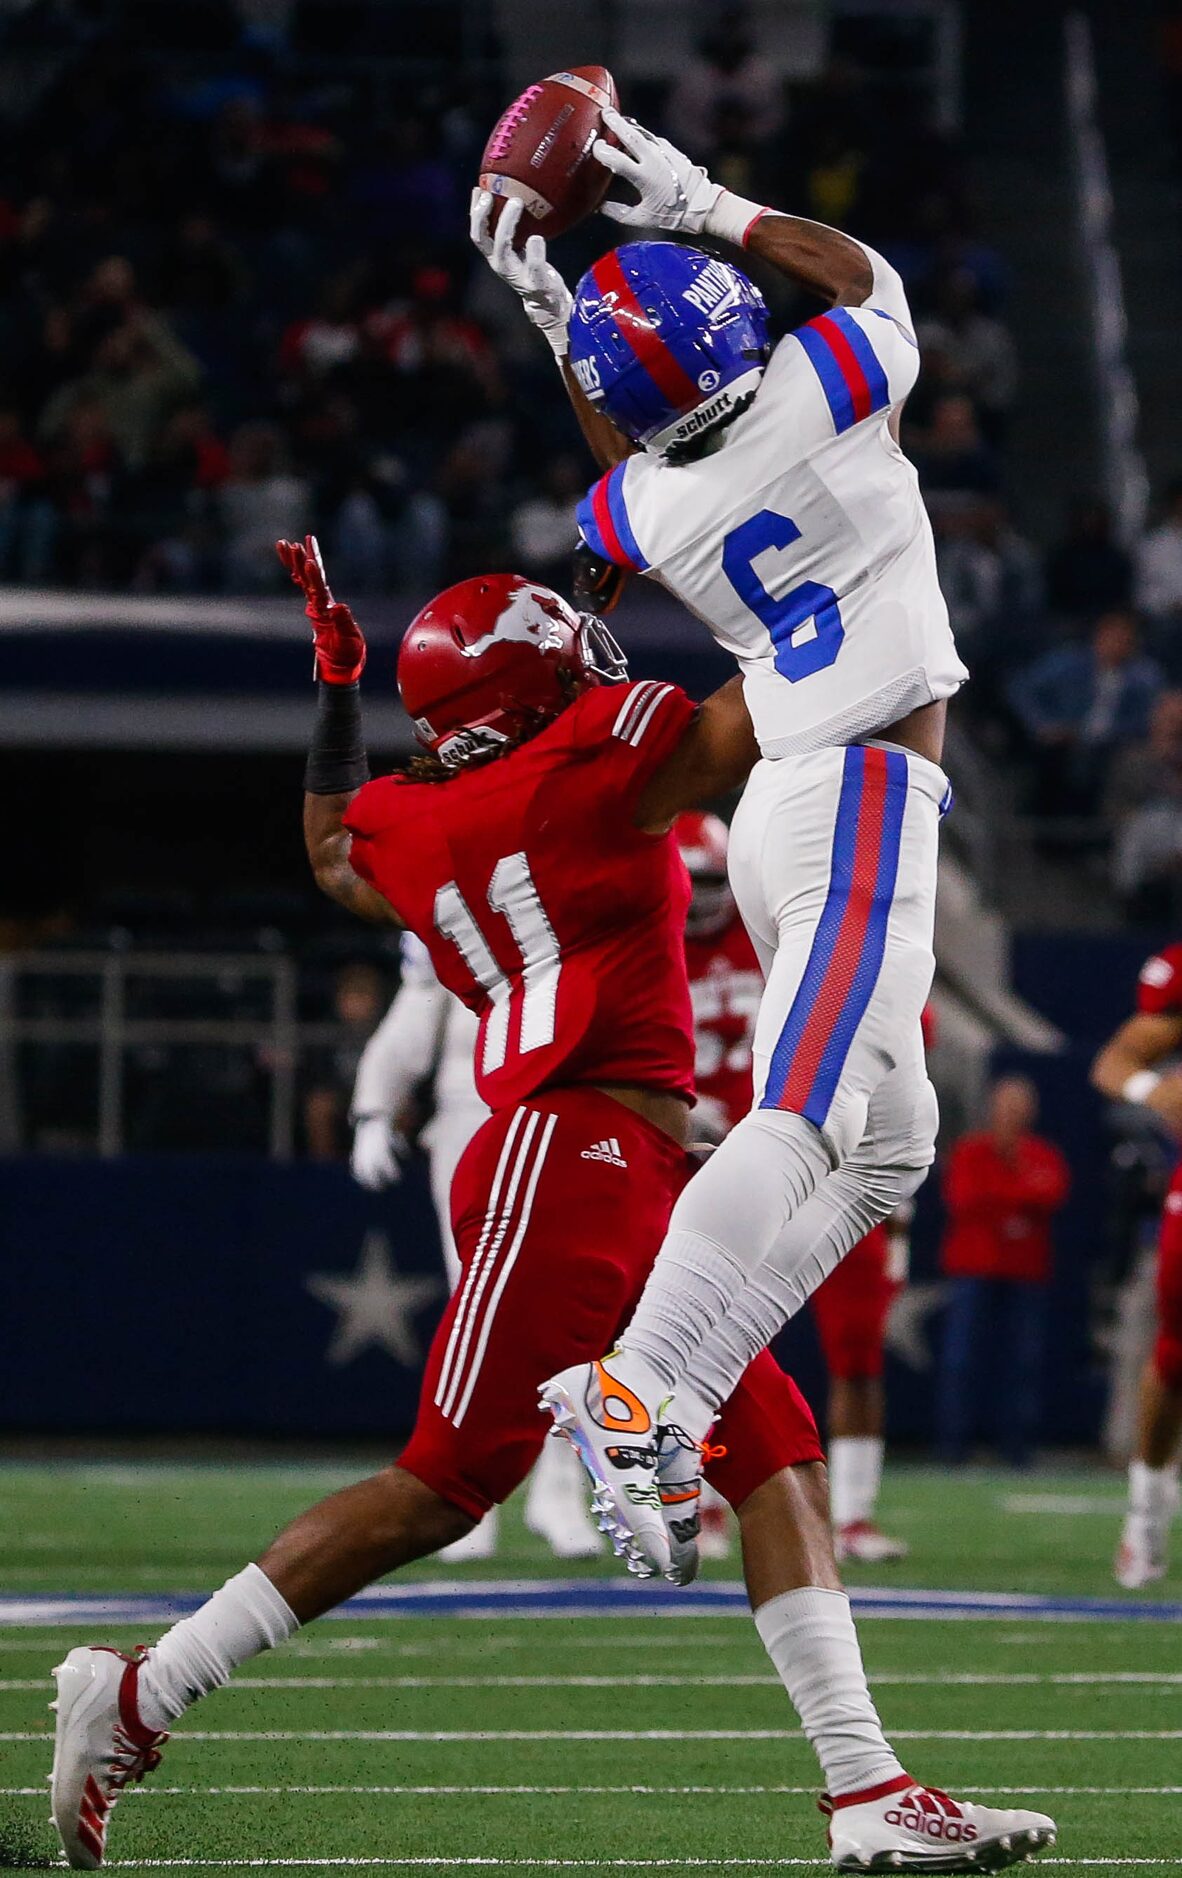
(425, 766)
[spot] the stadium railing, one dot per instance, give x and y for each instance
(84, 1016)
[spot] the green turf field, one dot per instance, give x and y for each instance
(455, 1742)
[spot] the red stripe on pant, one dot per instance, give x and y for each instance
(851, 936)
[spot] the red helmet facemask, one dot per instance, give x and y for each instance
(703, 843)
(493, 660)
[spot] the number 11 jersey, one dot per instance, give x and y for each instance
(541, 903)
(802, 541)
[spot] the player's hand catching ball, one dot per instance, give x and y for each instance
(672, 191)
(378, 1153)
(339, 642)
(544, 294)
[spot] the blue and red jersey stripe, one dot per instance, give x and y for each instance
(854, 382)
(603, 522)
(848, 945)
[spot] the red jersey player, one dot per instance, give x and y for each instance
(532, 854)
(850, 1308)
(1135, 1066)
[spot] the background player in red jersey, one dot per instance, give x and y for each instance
(1135, 1066)
(532, 854)
(851, 1307)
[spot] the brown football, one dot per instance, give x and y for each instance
(540, 151)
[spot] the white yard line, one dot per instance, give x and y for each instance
(547, 1864)
(1169, 1679)
(516, 1792)
(494, 1736)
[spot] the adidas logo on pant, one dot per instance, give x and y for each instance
(608, 1150)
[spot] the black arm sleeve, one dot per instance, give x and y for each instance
(337, 763)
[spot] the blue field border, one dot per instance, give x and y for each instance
(566, 1598)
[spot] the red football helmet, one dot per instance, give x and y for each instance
(703, 842)
(493, 659)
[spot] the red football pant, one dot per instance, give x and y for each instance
(851, 1308)
(559, 1208)
(1167, 1350)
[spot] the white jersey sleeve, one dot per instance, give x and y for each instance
(406, 1044)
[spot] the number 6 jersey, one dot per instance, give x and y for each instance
(542, 905)
(802, 541)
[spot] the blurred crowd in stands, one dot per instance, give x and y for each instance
(237, 301)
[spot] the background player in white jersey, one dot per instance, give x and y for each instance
(428, 1038)
(766, 489)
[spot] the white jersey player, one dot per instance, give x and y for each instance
(767, 491)
(428, 1036)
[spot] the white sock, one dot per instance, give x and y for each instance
(244, 1618)
(692, 1412)
(722, 1227)
(855, 1475)
(809, 1635)
(1153, 1491)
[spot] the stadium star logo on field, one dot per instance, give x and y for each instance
(374, 1306)
(906, 1331)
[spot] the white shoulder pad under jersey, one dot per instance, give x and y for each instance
(802, 542)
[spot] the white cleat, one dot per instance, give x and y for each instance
(904, 1827)
(569, 1534)
(477, 1546)
(866, 1544)
(1143, 1553)
(614, 1434)
(679, 1484)
(100, 1747)
(556, 1504)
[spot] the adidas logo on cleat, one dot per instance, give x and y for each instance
(607, 1150)
(642, 1496)
(932, 1826)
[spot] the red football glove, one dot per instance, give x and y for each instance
(340, 646)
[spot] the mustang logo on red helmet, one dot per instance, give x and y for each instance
(526, 617)
(494, 659)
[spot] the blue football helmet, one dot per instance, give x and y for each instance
(667, 341)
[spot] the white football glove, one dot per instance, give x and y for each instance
(674, 192)
(378, 1150)
(544, 294)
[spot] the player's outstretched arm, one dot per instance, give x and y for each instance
(1126, 1068)
(715, 756)
(547, 301)
(337, 765)
(673, 192)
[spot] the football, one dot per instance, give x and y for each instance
(540, 151)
